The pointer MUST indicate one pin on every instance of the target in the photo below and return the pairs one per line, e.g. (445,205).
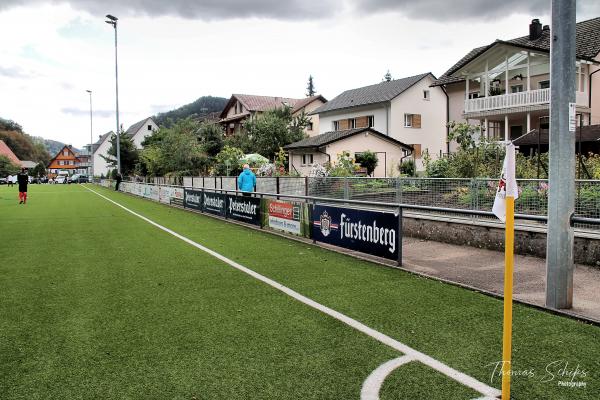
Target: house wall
(313,118)
(432,134)
(378,111)
(389,154)
(302,169)
(100,164)
(144,132)
(595,106)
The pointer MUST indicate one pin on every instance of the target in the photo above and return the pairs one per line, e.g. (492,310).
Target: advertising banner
(164,194)
(213,203)
(193,199)
(371,232)
(286,216)
(177,196)
(244,209)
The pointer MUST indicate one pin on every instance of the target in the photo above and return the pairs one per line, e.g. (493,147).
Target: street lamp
(112,20)
(91,140)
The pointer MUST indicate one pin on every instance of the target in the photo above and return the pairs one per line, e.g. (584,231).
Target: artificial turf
(97,303)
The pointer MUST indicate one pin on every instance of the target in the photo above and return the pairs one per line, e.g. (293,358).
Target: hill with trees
(24,146)
(204,108)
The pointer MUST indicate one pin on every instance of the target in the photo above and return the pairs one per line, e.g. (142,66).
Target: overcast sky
(172,52)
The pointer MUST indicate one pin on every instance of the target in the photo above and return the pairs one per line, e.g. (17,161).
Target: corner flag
(507,185)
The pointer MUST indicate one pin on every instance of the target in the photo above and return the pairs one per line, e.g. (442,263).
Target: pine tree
(310,88)
(387,76)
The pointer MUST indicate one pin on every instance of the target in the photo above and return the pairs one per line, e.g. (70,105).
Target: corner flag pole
(508,296)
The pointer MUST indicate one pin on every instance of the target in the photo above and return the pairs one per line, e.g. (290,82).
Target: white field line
(458,376)
(372,385)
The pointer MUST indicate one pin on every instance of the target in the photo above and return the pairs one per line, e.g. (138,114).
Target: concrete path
(484,269)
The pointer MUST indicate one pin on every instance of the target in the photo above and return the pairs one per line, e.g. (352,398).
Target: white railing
(527,98)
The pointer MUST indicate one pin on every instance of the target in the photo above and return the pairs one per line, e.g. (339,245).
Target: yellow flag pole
(508,294)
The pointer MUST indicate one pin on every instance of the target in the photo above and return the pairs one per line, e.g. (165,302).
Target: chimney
(546,28)
(535,29)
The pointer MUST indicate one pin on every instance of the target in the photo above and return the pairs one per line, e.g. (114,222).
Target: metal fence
(466,194)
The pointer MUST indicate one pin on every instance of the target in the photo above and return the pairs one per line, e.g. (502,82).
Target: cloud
(15,72)
(79,112)
(196,9)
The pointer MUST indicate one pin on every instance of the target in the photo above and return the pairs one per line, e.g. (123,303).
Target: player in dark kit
(23,180)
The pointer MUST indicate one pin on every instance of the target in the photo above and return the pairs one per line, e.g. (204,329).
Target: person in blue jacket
(246,181)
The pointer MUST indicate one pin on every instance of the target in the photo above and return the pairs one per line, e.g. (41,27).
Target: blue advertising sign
(371,232)
(193,199)
(244,209)
(213,203)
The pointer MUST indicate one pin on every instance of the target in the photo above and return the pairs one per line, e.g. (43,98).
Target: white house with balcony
(505,86)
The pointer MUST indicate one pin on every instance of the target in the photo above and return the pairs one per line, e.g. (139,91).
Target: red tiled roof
(7,152)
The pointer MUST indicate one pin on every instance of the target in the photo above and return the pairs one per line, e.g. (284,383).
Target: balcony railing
(527,98)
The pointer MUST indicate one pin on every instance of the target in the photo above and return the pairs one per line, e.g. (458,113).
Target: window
(351,123)
(494,130)
(426,95)
(544,84)
(544,124)
(516,88)
(307,159)
(149,127)
(412,120)
(336,125)
(309,127)
(473,95)
(370,121)
(65,152)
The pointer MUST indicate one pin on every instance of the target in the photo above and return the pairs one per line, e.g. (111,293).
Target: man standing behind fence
(246,181)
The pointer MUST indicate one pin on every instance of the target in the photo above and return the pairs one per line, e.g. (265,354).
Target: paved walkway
(484,269)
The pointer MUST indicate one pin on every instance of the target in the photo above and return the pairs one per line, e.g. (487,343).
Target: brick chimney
(535,29)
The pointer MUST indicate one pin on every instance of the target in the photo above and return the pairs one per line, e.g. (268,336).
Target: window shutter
(343,124)
(417,150)
(416,121)
(361,122)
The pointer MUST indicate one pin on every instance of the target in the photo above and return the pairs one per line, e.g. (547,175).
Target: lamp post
(112,20)
(91,140)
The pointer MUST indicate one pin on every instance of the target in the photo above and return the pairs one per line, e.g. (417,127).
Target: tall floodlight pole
(561,187)
(91,140)
(112,20)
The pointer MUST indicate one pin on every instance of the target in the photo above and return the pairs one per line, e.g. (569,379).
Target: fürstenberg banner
(213,203)
(287,216)
(244,209)
(371,232)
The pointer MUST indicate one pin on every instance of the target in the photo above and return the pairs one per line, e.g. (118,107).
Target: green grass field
(96,303)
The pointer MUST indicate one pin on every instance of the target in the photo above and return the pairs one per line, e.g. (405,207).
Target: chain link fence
(470,194)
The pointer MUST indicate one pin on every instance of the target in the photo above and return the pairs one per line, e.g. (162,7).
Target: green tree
(274,129)
(228,161)
(310,87)
(211,138)
(7,167)
(39,170)
(241,141)
(463,133)
(129,154)
(368,160)
(387,77)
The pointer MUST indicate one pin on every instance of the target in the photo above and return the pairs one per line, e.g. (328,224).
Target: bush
(368,160)
(407,167)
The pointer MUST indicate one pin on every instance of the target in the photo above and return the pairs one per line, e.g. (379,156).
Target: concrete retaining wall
(527,242)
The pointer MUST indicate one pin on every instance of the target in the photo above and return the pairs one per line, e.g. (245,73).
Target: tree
(228,161)
(368,160)
(7,167)
(10,125)
(211,138)
(387,77)
(129,154)
(463,133)
(274,129)
(310,88)
(39,170)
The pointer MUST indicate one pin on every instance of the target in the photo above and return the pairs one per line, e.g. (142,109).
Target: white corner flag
(507,185)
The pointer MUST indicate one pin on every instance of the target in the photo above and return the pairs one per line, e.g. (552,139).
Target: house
(407,110)
(505,85)
(65,161)
(137,132)
(7,152)
(325,147)
(242,107)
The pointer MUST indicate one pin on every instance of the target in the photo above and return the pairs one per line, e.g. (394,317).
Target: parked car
(78,178)
(60,179)
(3,181)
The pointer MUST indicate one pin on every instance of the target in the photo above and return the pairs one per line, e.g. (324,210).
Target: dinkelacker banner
(371,232)
(244,209)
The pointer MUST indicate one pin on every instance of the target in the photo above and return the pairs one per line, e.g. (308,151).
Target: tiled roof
(333,136)
(587,42)
(258,103)
(101,140)
(304,102)
(7,152)
(589,133)
(373,94)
